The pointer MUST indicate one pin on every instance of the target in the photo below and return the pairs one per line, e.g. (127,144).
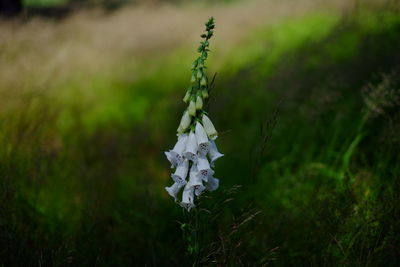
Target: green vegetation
(83,172)
(44,2)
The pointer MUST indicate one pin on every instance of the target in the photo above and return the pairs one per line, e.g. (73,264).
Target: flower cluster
(195,152)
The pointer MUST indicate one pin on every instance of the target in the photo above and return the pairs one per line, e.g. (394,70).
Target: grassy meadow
(307,102)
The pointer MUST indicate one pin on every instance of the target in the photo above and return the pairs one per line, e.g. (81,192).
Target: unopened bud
(199,103)
(203,81)
(192,108)
(187,97)
(199,74)
(204,93)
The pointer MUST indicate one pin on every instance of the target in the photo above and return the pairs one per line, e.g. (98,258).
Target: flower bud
(199,103)
(185,121)
(192,108)
(204,93)
(209,127)
(203,81)
(193,78)
(186,97)
(199,74)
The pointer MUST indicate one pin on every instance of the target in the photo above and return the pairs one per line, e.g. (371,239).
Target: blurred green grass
(83,170)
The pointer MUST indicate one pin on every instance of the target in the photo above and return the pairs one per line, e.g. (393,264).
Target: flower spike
(195,151)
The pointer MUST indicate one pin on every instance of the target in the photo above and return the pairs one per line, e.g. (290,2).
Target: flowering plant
(195,152)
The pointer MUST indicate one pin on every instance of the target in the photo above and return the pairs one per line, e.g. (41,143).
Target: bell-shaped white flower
(181,172)
(195,181)
(204,168)
(202,139)
(212,184)
(173,190)
(185,121)
(213,153)
(188,198)
(209,127)
(191,148)
(175,156)
(192,108)
(171,158)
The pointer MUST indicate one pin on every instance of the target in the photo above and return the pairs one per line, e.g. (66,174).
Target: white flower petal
(173,190)
(175,156)
(195,181)
(202,139)
(188,198)
(181,172)
(213,153)
(204,168)
(212,184)
(191,148)
(171,158)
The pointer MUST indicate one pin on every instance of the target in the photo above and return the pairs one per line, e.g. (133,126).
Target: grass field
(306,98)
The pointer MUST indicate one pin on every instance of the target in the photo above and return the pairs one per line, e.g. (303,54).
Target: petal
(202,139)
(181,172)
(173,190)
(191,148)
(213,152)
(212,184)
(188,198)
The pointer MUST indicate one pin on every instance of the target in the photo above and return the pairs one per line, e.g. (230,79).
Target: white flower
(213,153)
(204,168)
(181,172)
(202,139)
(185,122)
(188,197)
(191,148)
(195,181)
(209,128)
(199,103)
(192,108)
(174,189)
(175,155)
(212,184)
